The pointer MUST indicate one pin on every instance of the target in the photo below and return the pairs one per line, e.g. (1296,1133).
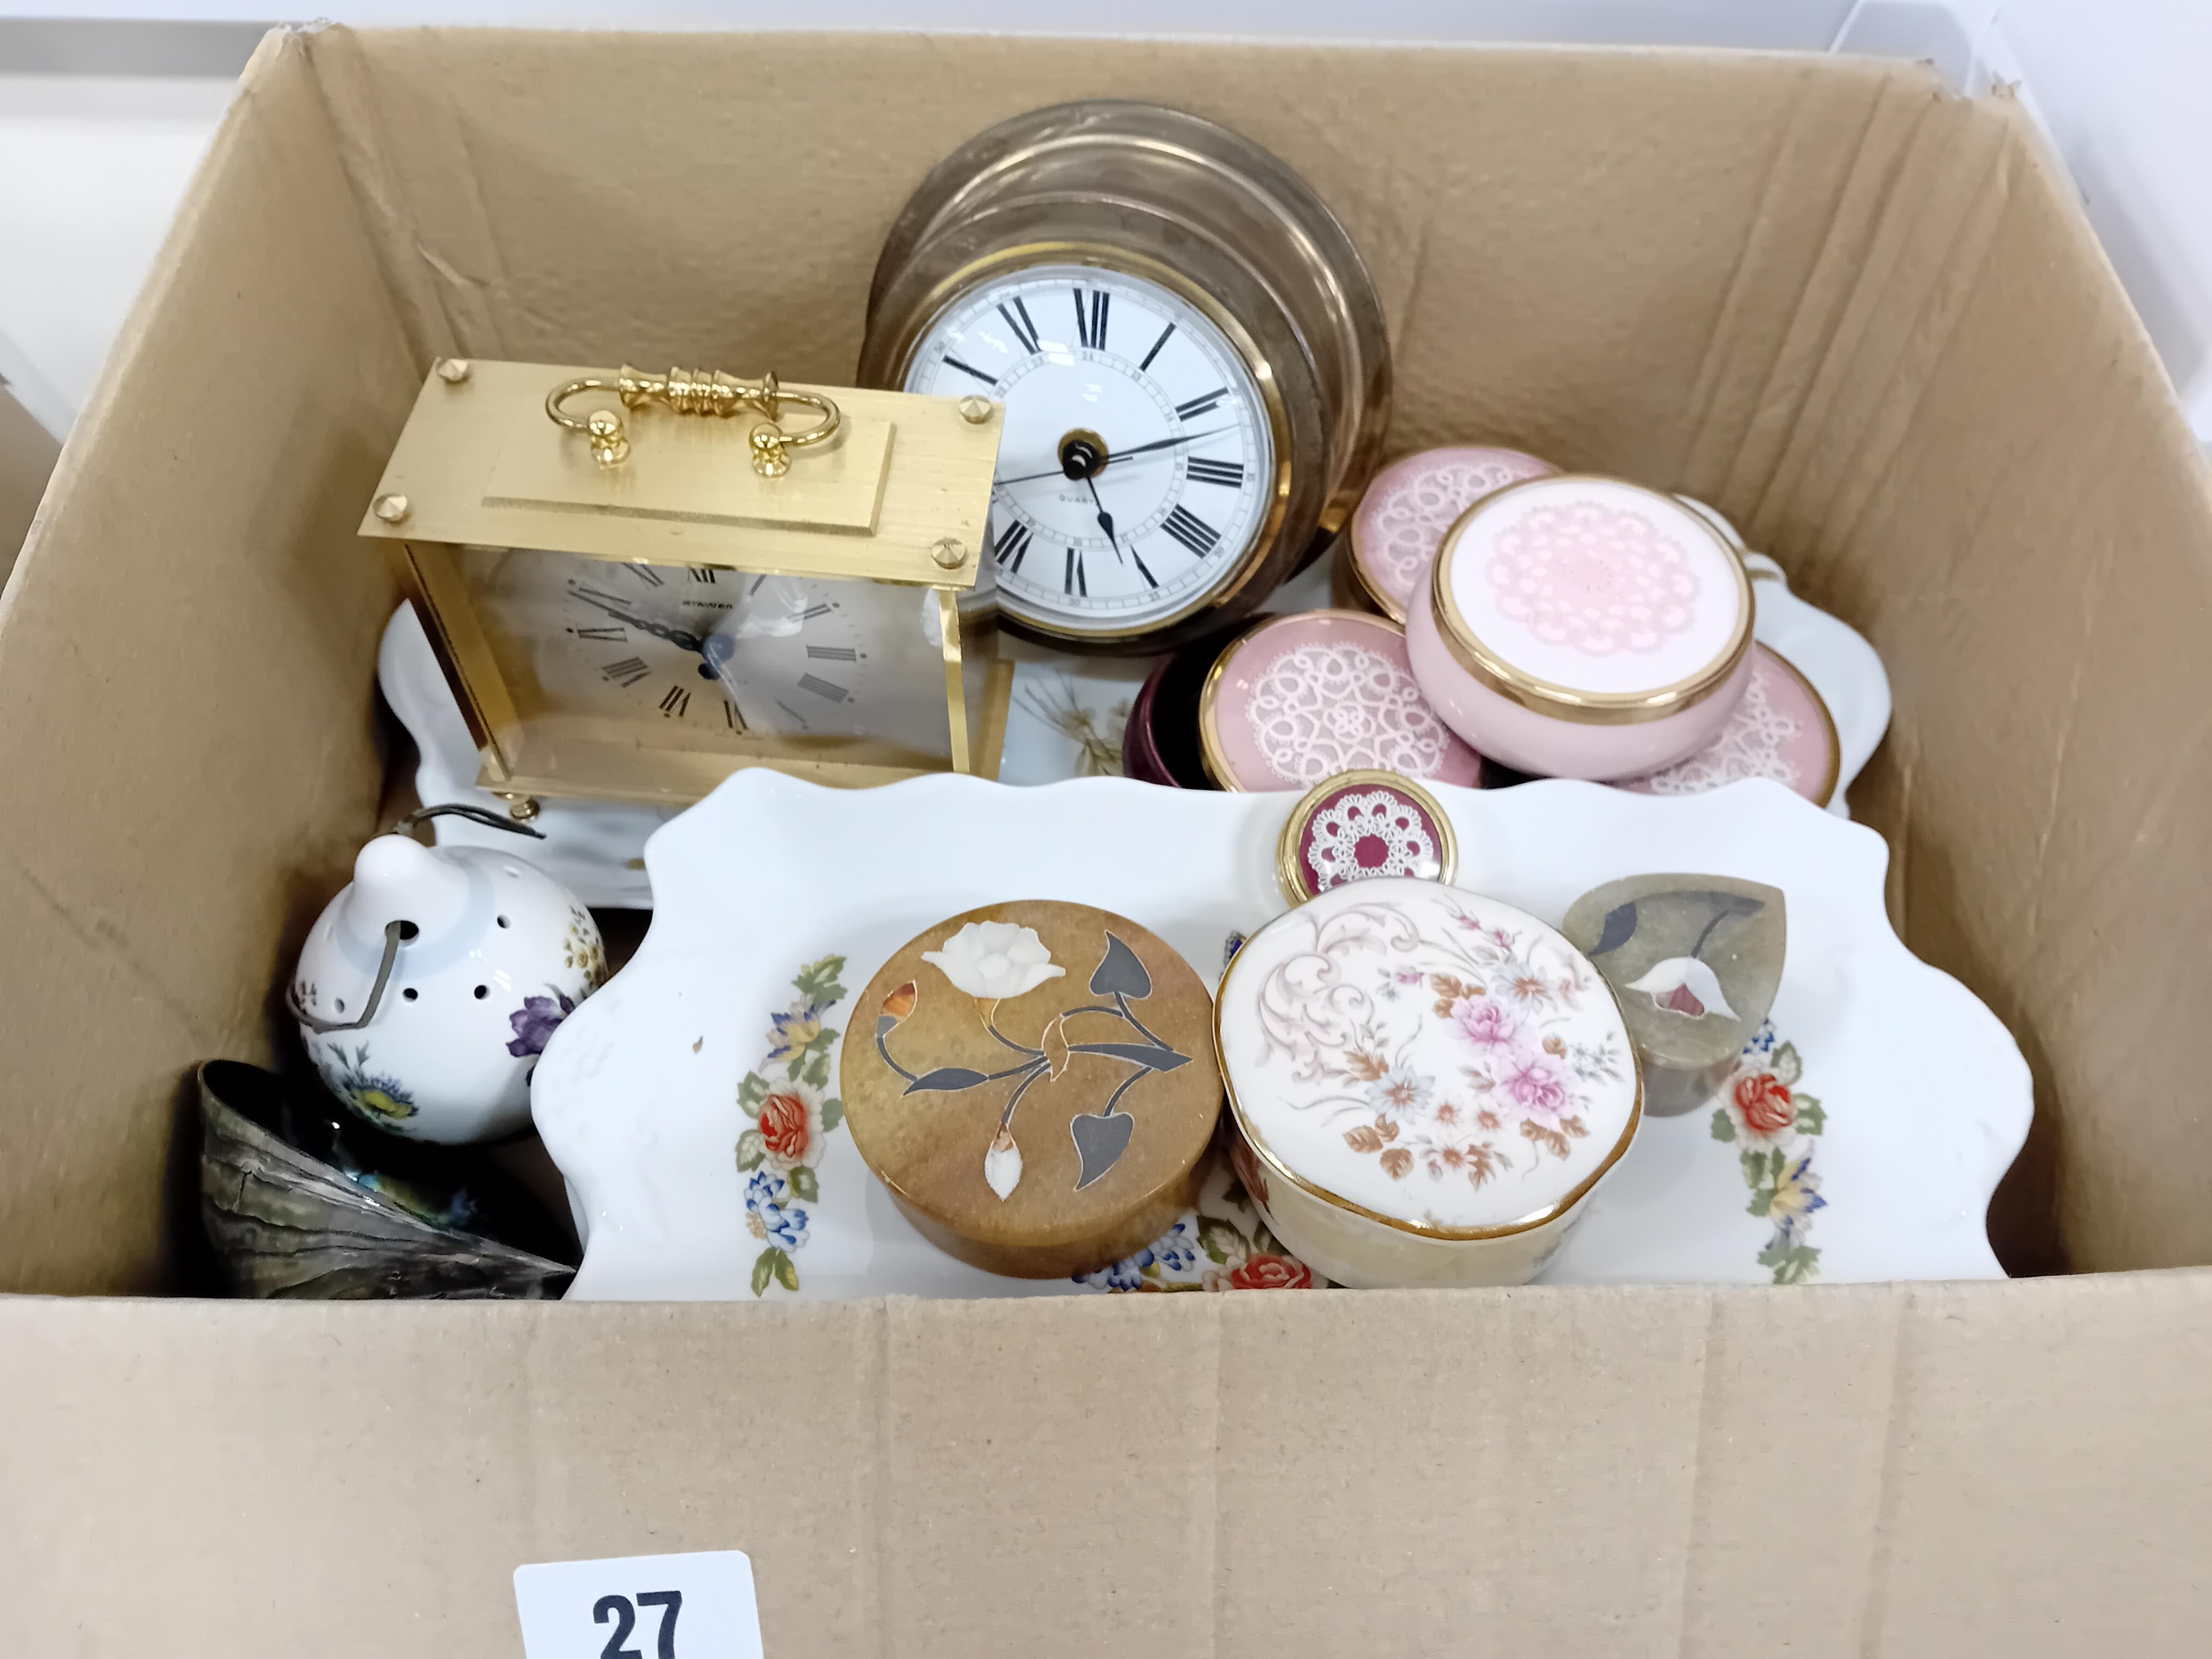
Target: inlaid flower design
(994,962)
(1684,985)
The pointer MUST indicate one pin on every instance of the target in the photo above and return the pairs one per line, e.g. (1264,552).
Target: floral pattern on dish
(992,961)
(1774,1123)
(1221,1245)
(792,1117)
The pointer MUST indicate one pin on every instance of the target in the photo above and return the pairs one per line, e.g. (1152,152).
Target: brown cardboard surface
(1923,1470)
(188,657)
(27,453)
(1864,318)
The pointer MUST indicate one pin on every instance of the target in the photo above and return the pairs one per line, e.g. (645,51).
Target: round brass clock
(1190,351)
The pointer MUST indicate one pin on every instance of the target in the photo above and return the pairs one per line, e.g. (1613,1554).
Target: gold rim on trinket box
(1564,703)
(1290,868)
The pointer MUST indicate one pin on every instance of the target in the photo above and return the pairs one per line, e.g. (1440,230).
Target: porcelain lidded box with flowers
(428,988)
(1426,1084)
(1035,1084)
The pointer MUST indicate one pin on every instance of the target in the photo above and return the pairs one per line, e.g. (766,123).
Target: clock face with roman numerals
(712,657)
(1138,465)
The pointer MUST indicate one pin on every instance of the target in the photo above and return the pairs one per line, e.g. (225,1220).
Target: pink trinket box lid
(1402,519)
(1303,697)
(1592,599)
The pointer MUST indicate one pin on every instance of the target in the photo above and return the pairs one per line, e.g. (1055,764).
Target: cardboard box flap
(1880,1469)
(187,656)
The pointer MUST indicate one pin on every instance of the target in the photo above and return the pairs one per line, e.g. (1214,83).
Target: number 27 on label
(639,1607)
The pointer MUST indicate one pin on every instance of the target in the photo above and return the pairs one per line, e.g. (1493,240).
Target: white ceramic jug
(427,988)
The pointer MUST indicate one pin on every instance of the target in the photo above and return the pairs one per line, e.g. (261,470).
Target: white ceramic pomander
(487,955)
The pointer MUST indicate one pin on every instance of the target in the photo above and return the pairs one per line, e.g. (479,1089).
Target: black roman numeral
(677,702)
(700,573)
(1018,320)
(1192,531)
(1151,581)
(952,361)
(644,573)
(833,654)
(1075,582)
(627,672)
(1012,543)
(730,716)
(1155,351)
(1090,325)
(611,635)
(822,688)
(759,582)
(1231,473)
(1199,405)
(814,612)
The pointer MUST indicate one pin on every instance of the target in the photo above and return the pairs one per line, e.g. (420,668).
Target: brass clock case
(1167,197)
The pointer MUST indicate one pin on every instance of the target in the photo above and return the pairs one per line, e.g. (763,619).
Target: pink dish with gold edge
(1402,519)
(1781,730)
(1582,627)
(1303,697)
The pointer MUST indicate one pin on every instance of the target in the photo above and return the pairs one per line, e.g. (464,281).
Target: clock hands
(675,636)
(1141,449)
(1105,519)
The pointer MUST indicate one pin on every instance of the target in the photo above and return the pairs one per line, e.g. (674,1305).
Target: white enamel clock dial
(1137,464)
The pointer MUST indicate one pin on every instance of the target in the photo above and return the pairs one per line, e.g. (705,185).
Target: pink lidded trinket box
(1402,518)
(1781,730)
(1300,698)
(1582,627)
(1426,1085)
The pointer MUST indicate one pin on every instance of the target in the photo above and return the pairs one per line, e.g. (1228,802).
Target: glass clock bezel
(1102,235)
(946,296)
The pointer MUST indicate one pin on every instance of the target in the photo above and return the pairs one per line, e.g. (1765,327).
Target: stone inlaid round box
(1426,1085)
(1362,826)
(1583,628)
(1036,1083)
(1300,698)
(1781,730)
(1400,521)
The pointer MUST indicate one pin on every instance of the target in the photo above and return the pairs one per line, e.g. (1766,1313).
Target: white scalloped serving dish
(1883,1101)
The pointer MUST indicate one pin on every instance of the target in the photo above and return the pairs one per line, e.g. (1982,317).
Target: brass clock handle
(701,391)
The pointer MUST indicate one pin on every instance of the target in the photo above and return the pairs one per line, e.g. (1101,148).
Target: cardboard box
(1863,317)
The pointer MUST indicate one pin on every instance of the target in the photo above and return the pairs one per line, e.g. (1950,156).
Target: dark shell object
(298,1202)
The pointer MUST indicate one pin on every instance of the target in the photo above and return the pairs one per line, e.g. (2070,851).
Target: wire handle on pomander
(696,391)
(398,932)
